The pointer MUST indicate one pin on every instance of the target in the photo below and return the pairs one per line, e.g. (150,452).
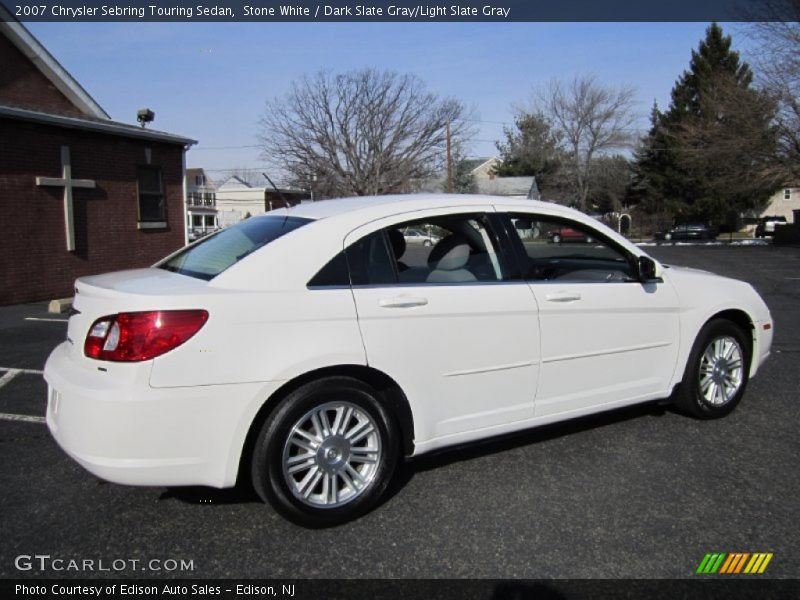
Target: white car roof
(406,202)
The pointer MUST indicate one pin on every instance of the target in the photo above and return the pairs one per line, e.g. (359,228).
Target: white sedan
(308,351)
(415,236)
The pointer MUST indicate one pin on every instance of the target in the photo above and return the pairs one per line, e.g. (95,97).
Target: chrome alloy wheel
(721,370)
(331,455)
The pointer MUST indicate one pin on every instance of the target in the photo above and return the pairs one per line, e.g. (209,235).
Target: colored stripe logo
(735,563)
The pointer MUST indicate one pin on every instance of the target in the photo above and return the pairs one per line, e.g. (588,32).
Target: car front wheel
(326,454)
(716,374)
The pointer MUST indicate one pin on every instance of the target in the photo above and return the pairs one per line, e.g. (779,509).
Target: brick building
(79,193)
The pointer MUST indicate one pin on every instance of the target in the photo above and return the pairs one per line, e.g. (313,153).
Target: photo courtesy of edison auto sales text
(165,589)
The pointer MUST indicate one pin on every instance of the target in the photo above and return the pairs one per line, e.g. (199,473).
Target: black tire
(267,467)
(689,398)
(556,239)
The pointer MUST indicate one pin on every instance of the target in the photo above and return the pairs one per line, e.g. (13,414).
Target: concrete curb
(59,306)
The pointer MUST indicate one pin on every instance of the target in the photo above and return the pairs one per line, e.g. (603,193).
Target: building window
(787,194)
(209,221)
(197,220)
(151,195)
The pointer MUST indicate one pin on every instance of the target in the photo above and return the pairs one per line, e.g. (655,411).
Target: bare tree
(591,119)
(359,133)
(777,60)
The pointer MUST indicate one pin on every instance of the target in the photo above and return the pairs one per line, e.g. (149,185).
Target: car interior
(464,252)
(582,259)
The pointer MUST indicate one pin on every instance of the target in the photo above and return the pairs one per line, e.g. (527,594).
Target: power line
(235,169)
(225,147)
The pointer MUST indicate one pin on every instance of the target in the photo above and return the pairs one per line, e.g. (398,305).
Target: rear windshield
(211,256)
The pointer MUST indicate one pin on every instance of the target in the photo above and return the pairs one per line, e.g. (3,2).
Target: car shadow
(243,493)
(460,453)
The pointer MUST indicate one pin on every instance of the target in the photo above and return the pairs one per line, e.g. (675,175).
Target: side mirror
(648,272)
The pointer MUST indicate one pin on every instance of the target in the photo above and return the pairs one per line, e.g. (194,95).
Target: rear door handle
(402,302)
(563,297)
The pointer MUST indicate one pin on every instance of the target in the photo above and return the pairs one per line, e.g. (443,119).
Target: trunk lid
(127,291)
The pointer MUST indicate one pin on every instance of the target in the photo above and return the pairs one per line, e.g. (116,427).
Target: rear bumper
(124,431)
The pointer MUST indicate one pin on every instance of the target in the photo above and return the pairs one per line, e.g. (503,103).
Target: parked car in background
(418,237)
(196,234)
(291,350)
(687,231)
(766,226)
(567,234)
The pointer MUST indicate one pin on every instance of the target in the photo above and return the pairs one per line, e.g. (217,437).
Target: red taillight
(137,336)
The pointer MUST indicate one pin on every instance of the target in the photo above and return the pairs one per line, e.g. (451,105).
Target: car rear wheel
(717,372)
(326,454)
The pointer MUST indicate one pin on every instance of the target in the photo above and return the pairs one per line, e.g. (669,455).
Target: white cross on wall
(67,182)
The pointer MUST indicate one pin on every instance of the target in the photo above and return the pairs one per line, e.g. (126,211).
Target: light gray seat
(448,260)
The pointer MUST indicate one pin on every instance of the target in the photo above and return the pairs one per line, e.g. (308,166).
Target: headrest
(449,254)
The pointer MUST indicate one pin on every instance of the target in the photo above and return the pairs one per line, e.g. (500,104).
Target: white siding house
(235,199)
(782,203)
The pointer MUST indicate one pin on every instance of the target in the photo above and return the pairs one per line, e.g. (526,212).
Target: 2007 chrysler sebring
(310,348)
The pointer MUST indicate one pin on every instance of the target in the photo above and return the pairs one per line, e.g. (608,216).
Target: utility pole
(449,162)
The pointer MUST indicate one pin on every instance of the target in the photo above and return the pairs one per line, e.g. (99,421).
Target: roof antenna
(285,201)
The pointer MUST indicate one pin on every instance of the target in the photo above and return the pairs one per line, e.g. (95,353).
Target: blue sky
(209,81)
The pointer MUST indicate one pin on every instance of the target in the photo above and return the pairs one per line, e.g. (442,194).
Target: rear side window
(334,274)
(438,250)
(370,262)
(210,257)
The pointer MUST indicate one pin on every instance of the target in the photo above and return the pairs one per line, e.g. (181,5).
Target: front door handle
(402,302)
(563,297)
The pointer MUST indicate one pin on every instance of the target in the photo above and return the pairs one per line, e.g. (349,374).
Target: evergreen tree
(714,150)
(530,148)
(610,178)
(463,179)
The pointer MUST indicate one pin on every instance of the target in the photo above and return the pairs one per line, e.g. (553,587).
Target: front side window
(562,250)
(151,194)
(211,256)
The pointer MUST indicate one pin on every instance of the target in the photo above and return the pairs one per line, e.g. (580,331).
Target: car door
(447,322)
(605,336)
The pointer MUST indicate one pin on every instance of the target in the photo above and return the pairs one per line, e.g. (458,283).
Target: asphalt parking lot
(638,493)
